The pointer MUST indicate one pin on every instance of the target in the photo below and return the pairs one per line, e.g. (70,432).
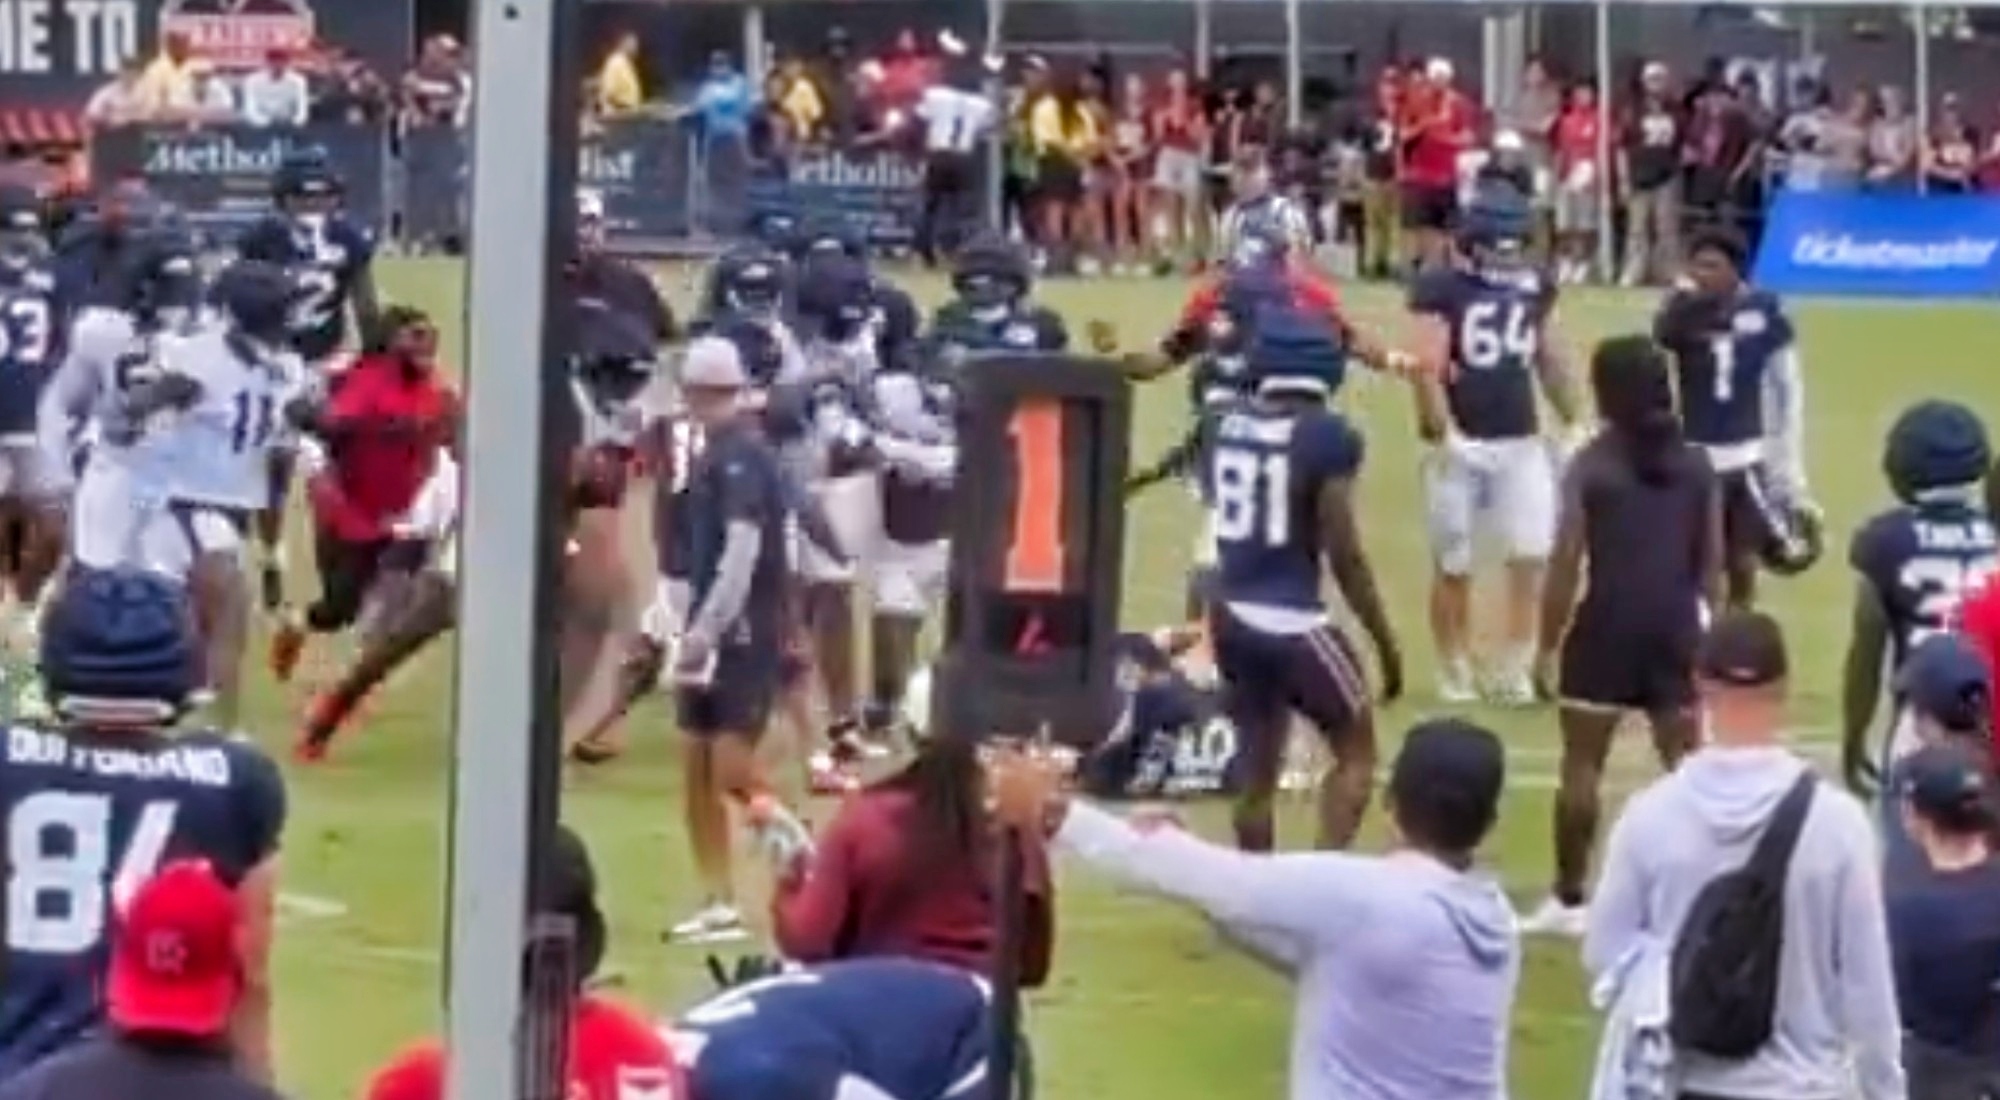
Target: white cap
(1438,69)
(589,205)
(1507,141)
(713,363)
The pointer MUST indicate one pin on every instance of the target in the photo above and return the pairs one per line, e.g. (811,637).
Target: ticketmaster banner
(220,176)
(1880,245)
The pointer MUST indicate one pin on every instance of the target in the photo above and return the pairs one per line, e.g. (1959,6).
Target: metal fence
(666,187)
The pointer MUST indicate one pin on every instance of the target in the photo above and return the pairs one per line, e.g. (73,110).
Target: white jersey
(84,403)
(223,442)
(953,120)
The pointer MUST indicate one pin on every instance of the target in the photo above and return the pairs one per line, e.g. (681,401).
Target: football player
(1260,209)
(894,313)
(1742,397)
(1170,740)
(1278,476)
(94,254)
(31,534)
(330,257)
(1916,562)
(1485,343)
(596,273)
(861,1029)
(97,801)
(991,310)
(238,390)
(1638,552)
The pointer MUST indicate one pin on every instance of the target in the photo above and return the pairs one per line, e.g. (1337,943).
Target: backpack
(1724,976)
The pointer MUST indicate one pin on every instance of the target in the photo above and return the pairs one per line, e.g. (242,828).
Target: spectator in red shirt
(1979,612)
(614,1052)
(386,421)
(1437,126)
(906,868)
(1579,182)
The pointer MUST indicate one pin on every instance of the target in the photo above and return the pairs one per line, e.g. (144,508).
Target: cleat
(288,644)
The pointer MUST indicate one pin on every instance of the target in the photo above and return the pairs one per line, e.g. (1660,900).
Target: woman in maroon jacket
(907,868)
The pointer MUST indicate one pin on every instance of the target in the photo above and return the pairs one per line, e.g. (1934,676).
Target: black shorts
(1266,677)
(1751,517)
(1058,178)
(1427,207)
(1643,665)
(739,697)
(348,570)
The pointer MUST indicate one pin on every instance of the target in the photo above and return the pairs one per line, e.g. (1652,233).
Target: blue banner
(220,176)
(1882,245)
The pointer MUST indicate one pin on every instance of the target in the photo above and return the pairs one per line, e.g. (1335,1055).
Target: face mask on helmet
(614,379)
(1937,452)
(752,290)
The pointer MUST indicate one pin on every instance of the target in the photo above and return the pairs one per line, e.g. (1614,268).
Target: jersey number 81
(1253,490)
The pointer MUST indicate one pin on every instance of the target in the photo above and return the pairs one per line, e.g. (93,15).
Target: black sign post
(1037,557)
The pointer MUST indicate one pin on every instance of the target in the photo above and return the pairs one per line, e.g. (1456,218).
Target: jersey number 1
(1035,553)
(56,893)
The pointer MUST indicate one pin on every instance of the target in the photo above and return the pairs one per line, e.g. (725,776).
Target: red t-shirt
(1438,130)
(1575,139)
(1310,292)
(1178,126)
(383,425)
(614,1055)
(1979,621)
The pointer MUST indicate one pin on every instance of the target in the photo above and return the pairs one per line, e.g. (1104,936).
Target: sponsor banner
(220,177)
(878,194)
(1901,246)
(54,53)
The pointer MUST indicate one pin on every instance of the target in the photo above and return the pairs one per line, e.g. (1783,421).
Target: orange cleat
(288,644)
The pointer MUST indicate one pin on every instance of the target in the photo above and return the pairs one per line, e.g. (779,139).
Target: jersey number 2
(57,892)
(1035,553)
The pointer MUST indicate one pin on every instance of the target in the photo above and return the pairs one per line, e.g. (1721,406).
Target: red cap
(174,964)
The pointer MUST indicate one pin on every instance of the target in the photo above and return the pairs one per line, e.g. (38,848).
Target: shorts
(196,530)
(1314,673)
(1428,207)
(1644,665)
(1178,171)
(1509,484)
(910,578)
(111,524)
(739,697)
(1576,210)
(853,506)
(1058,178)
(21,472)
(435,510)
(1752,518)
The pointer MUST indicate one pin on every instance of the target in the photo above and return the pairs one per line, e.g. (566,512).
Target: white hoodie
(1836,989)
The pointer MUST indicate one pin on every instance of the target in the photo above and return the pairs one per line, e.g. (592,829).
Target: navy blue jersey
(1723,352)
(328,260)
(957,332)
(88,817)
(90,266)
(1921,562)
(913,1030)
(736,479)
(1172,741)
(1496,322)
(1261,477)
(31,327)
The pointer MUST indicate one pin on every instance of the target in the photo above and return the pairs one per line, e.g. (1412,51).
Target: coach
(175,980)
(1405,964)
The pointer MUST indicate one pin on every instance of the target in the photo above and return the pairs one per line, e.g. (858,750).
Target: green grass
(1143,1005)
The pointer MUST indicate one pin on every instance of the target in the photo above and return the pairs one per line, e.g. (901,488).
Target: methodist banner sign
(1882,245)
(220,177)
(53,53)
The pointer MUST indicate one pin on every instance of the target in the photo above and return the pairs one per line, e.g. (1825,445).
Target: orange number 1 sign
(1035,554)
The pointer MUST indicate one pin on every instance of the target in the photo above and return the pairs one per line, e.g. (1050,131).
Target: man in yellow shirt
(804,108)
(619,91)
(168,81)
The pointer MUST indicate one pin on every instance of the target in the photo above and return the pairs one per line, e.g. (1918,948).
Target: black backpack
(1725,963)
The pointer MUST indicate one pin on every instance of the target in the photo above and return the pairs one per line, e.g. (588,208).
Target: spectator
(1436,128)
(906,73)
(438,91)
(1720,147)
(1179,134)
(165,81)
(770,128)
(1130,163)
(906,868)
(1978,618)
(1988,174)
(121,101)
(175,981)
(1579,175)
(1822,147)
(1090,138)
(619,90)
(1951,150)
(1947,695)
(723,101)
(209,100)
(1384,166)
(1835,1016)
(1944,926)
(803,106)
(1892,143)
(1532,113)
(614,1052)
(1649,171)
(353,95)
(1405,964)
(1263,120)
(276,95)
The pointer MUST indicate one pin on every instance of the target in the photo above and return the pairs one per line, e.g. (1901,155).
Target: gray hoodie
(1836,989)
(1405,968)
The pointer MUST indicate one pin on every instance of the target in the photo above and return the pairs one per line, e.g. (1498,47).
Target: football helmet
(257,298)
(120,641)
(1294,352)
(991,273)
(1935,445)
(22,241)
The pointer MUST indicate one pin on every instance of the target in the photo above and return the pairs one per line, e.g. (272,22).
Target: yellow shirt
(618,88)
(165,84)
(1085,135)
(1045,124)
(802,106)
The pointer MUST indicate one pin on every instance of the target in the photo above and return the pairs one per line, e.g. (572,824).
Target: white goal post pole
(1607,257)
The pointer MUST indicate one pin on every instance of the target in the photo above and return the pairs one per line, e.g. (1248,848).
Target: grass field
(1143,1005)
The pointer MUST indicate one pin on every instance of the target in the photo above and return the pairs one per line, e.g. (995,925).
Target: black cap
(1446,783)
(1743,649)
(569,888)
(1946,782)
(1945,678)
